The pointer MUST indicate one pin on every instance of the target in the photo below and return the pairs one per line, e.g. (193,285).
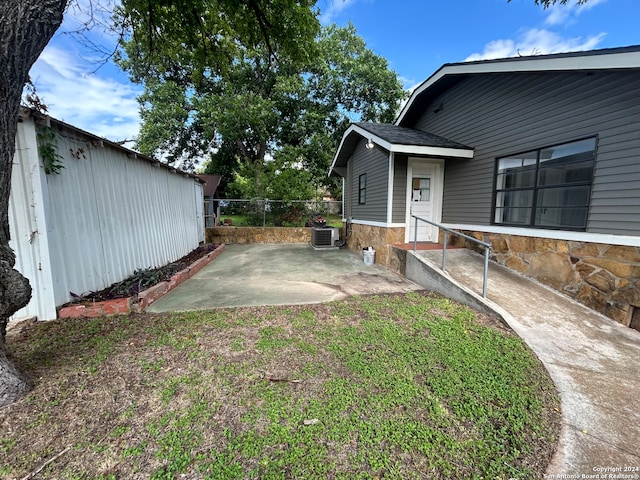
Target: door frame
(437,191)
(199,199)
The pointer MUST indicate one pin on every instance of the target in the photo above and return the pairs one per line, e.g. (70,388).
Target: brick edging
(139,302)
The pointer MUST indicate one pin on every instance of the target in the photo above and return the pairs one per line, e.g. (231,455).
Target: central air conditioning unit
(324,238)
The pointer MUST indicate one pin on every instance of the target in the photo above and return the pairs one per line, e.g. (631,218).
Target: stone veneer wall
(603,277)
(380,238)
(230,235)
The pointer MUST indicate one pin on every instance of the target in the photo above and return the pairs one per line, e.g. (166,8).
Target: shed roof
(212,182)
(47,120)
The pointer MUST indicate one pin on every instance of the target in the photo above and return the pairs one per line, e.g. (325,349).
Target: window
(362,189)
(421,189)
(547,188)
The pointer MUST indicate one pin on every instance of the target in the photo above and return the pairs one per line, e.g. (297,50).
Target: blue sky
(415,36)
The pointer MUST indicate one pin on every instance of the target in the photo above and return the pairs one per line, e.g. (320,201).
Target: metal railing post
(487,247)
(485,280)
(444,250)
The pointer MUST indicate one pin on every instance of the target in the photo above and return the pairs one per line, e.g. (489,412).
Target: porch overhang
(395,139)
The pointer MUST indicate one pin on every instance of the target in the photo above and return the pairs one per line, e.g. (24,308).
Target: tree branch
(264,25)
(44,465)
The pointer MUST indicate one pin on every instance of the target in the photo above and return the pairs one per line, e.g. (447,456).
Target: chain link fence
(271,213)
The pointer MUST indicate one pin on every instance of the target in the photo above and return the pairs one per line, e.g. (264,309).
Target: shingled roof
(396,139)
(408,136)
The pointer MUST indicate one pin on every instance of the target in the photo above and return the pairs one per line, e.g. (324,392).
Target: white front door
(424,198)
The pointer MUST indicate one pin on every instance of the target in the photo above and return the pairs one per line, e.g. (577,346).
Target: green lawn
(392,386)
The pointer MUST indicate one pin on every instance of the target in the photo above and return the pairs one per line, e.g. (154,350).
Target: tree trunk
(13,383)
(26,26)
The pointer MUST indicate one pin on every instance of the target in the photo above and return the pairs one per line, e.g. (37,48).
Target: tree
(26,26)
(282,178)
(188,111)
(265,104)
(548,3)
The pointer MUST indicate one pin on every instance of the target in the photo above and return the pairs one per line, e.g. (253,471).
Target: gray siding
(511,113)
(348,192)
(375,164)
(399,207)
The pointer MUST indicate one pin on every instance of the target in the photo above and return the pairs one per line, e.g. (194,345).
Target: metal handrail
(487,247)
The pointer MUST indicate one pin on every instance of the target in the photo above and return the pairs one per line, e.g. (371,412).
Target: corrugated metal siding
(375,164)
(510,113)
(106,216)
(111,215)
(399,208)
(28,227)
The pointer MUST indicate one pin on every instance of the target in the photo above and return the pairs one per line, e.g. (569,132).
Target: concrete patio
(280,274)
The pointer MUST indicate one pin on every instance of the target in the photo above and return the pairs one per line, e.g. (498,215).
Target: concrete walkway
(594,361)
(280,274)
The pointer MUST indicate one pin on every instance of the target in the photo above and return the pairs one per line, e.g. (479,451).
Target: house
(538,155)
(85,212)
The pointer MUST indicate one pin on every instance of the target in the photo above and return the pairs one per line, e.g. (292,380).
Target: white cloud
(409,84)
(558,14)
(98,104)
(495,49)
(565,14)
(335,7)
(535,42)
(92,18)
(589,5)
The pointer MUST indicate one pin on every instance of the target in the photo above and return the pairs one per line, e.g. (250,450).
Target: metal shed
(108,212)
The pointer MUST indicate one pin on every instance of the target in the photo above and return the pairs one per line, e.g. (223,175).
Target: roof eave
(415,149)
(26,112)
(339,150)
(431,151)
(626,59)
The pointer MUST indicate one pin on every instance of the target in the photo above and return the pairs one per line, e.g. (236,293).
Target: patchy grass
(397,386)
